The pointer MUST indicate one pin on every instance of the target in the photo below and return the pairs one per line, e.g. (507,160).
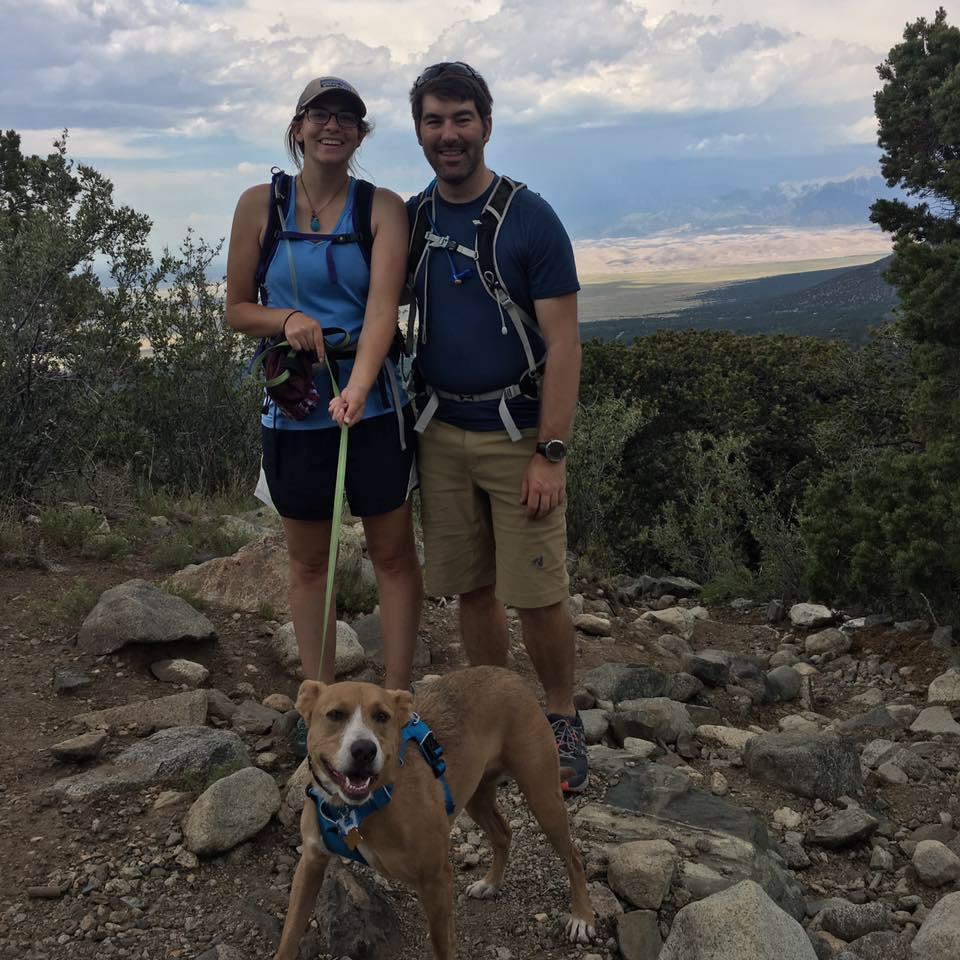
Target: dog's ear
(403,702)
(310,691)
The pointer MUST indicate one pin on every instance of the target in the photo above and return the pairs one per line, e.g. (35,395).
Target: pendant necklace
(314,211)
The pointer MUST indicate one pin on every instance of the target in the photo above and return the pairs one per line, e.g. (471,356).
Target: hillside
(840,303)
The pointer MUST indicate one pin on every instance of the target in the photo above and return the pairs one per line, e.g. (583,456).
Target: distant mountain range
(819,203)
(841,304)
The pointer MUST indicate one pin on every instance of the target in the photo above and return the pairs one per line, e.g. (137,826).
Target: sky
(670,117)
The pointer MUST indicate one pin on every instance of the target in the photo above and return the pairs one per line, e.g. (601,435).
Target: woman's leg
(393,552)
(308,544)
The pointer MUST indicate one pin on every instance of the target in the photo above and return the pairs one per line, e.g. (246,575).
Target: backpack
(423,239)
(278,209)
(269,354)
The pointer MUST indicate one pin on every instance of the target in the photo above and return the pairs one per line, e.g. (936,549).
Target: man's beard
(461,175)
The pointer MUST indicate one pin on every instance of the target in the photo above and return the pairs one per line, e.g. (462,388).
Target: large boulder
(139,612)
(256,576)
(939,937)
(810,615)
(186,757)
(649,801)
(623,681)
(231,810)
(178,710)
(350,653)
(655,718)
(825,766)
(641,871)
(741,923)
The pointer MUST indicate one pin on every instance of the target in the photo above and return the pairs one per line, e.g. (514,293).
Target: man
(498,360)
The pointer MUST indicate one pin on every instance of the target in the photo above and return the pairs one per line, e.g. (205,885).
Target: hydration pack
(423,240)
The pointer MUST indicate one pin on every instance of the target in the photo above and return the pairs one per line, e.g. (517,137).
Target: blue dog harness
(340,826)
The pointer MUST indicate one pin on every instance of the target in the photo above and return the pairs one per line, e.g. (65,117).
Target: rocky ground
(766,783)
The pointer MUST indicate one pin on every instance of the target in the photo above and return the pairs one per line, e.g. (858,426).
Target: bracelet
(283,326)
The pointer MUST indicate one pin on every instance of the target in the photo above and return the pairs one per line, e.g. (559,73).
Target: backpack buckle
(450,244)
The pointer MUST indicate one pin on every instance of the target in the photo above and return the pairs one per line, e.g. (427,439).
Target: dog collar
(340,825)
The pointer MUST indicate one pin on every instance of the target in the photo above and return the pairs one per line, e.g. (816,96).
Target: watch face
(555,450)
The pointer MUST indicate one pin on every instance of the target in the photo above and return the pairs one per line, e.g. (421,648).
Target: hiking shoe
(572,746)
(298,739)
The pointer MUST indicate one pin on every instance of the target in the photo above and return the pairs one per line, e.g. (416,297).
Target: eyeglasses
(321,116)
(457,67)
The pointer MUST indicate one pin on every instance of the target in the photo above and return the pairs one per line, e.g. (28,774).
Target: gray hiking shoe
(572,746)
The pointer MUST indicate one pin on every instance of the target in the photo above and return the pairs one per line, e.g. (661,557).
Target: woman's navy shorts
(300,468)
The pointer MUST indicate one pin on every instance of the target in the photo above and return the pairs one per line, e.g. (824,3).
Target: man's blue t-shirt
(466,346)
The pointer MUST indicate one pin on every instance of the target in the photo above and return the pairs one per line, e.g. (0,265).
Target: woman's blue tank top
(338,301)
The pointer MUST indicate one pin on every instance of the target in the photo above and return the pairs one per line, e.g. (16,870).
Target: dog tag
(353,839)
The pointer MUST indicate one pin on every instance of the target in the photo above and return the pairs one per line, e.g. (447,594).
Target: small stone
(718,784)
(85,747)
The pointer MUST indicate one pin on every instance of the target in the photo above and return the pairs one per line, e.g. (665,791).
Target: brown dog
(489,723)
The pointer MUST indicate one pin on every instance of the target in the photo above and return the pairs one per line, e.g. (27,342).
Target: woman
(310,286)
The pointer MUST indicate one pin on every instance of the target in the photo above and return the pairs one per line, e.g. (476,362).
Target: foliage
(81,296)
(74,604)
(883,526)
(69,525)
(596,481)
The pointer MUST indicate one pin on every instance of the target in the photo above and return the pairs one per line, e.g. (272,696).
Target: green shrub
(355,594)
(595,479)
(75,603)
(106,546)
(69,525)
(174,553)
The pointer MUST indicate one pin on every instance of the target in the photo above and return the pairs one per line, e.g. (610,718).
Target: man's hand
(348,407)
(304,333)
(544,486)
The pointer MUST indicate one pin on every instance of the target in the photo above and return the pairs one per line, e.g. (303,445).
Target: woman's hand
(304,333)
(348,407)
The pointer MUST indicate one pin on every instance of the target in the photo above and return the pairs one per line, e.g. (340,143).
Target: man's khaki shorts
(475,530)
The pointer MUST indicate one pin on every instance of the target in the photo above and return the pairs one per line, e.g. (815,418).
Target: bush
(69,525)
(596,481)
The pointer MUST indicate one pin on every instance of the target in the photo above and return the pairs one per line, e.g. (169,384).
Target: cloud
(724,143)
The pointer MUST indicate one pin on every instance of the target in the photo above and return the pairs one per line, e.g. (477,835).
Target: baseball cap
(320,86)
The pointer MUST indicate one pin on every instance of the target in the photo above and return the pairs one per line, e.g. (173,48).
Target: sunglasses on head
(456,67)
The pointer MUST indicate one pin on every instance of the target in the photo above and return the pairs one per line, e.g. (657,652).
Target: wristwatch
(553,450)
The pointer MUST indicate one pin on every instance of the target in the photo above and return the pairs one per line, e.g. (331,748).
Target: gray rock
(850,921)
(936,864)
(219,705)
(939,937)
(357,919)
(656,718)
(741,923)
(369,632)
(682,687)
(638,934)
(350,654)
(595,724)
(649,801)
(881,945)
(825,765)
(678,586)
(945,689)
(831,641)
(784,684)
(641,871)
(942,638)
(179,756)
(844,828)
(863,725)
(794,856)
(179,670)
(775,611)
(68,680)
(85,747)
(914,766)
(177,710)
(139,612)
(621,681)
(231,810)
(253,717)
(936,720)
(882,859)
(701,715)
(877,752)
(679,619)
(592,624)
(701,881)
(810,615)
(712,667)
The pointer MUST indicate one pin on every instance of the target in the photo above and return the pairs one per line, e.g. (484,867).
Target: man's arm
(544,485)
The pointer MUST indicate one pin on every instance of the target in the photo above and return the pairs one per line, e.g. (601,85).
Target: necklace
(316,211)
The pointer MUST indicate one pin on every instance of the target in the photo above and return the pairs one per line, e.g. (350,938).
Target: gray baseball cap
(320,86)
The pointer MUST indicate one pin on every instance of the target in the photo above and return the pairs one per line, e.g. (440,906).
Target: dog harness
(340,826)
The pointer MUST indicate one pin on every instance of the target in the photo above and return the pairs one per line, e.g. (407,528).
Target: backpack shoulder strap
(363,217)
(416,254)
(276,213)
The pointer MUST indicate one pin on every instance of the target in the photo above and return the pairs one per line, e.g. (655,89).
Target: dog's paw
(580,931)
(481,890)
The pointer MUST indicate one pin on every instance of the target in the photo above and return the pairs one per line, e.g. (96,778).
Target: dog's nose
(363,752)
